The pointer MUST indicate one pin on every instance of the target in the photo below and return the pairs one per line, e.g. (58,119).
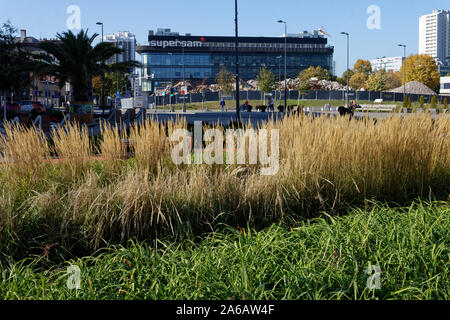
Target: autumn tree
(375,80)
(363,66)
(422,68)
(225,80)
(393,80)
(312,72)
(343,79)
(358,80)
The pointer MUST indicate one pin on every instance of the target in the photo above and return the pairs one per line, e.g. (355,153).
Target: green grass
(321,259)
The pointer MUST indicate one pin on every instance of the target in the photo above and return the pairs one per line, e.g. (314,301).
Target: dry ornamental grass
(325,164)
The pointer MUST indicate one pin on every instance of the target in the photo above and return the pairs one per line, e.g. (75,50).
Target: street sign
(140,102)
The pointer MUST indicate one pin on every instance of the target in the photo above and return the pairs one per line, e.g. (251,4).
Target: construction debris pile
(252,85)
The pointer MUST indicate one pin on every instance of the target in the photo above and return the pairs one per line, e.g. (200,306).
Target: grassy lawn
(307,103)
(321,259)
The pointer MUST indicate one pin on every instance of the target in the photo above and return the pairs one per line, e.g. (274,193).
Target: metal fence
(292,95)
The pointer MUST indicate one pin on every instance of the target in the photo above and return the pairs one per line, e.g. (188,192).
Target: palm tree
(75,60)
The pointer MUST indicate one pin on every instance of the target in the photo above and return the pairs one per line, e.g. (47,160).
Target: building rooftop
(167,32)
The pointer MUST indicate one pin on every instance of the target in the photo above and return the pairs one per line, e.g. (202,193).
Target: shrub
(421,102)
(433,102)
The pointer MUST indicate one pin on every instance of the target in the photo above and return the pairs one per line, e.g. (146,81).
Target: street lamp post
(171,81)
(381,76)
(103,77)
(184,82)
(285,64)
(348,66)
(236,21)
(279,71)
(404,69)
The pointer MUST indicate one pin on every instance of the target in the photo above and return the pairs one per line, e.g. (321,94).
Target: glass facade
(164,65)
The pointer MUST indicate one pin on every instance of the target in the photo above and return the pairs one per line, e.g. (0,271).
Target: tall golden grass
(325,164)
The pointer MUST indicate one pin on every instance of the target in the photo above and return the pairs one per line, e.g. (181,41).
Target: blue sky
(399,20)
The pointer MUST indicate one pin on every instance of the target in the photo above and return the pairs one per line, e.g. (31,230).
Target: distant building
(171,57)
(444,69)
(445,85)
(392,63)
(434,35)
(123,40)
(42,89)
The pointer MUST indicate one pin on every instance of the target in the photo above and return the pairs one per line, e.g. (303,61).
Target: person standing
(222,104)
(271,104)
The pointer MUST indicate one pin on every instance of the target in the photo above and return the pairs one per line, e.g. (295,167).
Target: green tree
(225,80)
(343,79)
(113,82)
(358,80)
(363,66)
(14,62)
(266,80)
(306,75)
(314,72)
(422,68)
(77,61)
(375,79)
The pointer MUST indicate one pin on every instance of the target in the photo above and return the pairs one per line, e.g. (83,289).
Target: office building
(170,57)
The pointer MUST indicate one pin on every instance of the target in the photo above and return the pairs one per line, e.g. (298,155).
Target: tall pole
(103,77)
(285,64)
(238,108)
(404,69)
(46,91)
(184,83)
(348,66)
(279,71)
(381,76)
(171,82)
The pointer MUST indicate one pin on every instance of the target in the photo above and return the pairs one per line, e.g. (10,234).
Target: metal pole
(404,72)
(285,67)
(348,69)
(171,81)
(238,108)
(103,83)
(103,76)
(348,66)
(46,91)
(184,84)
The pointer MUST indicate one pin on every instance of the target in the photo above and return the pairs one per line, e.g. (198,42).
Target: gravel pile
(415,87)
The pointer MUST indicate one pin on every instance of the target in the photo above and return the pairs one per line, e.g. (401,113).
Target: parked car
(30,106)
